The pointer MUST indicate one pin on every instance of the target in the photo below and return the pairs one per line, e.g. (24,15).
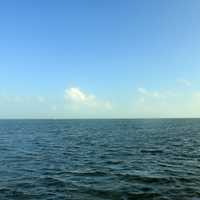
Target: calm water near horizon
(100,159)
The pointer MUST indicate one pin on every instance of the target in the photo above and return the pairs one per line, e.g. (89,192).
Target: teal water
(100,159)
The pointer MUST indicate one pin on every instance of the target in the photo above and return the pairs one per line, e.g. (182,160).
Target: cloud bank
(184,82)
(166,103)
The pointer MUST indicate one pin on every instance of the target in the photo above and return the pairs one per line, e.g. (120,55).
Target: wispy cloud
(54,108)
(167,103)
(142,90)
(41,99)
(21,99)
(184,82)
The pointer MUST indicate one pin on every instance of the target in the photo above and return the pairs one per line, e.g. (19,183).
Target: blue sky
(82,59)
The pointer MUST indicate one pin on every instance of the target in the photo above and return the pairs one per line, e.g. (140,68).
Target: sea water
(100,159)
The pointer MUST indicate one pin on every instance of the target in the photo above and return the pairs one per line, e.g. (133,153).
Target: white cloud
(79,99)
(54,108)
(156,94)
(21,99)
(167,103)
(142,91)
(41,99)
(18,99)
(150,94)
(184,82)
(77,96)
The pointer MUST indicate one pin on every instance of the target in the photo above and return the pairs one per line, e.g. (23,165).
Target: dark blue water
(100,159)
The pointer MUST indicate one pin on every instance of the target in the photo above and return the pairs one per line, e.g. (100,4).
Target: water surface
(100,159)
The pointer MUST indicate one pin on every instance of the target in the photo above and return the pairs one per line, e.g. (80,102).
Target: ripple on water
(100,159)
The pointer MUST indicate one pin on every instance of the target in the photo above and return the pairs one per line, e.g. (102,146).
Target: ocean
(152,159)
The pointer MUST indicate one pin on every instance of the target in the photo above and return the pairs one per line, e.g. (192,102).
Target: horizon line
(134,118)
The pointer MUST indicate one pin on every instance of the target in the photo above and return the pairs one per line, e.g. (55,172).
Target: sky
(99,59)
